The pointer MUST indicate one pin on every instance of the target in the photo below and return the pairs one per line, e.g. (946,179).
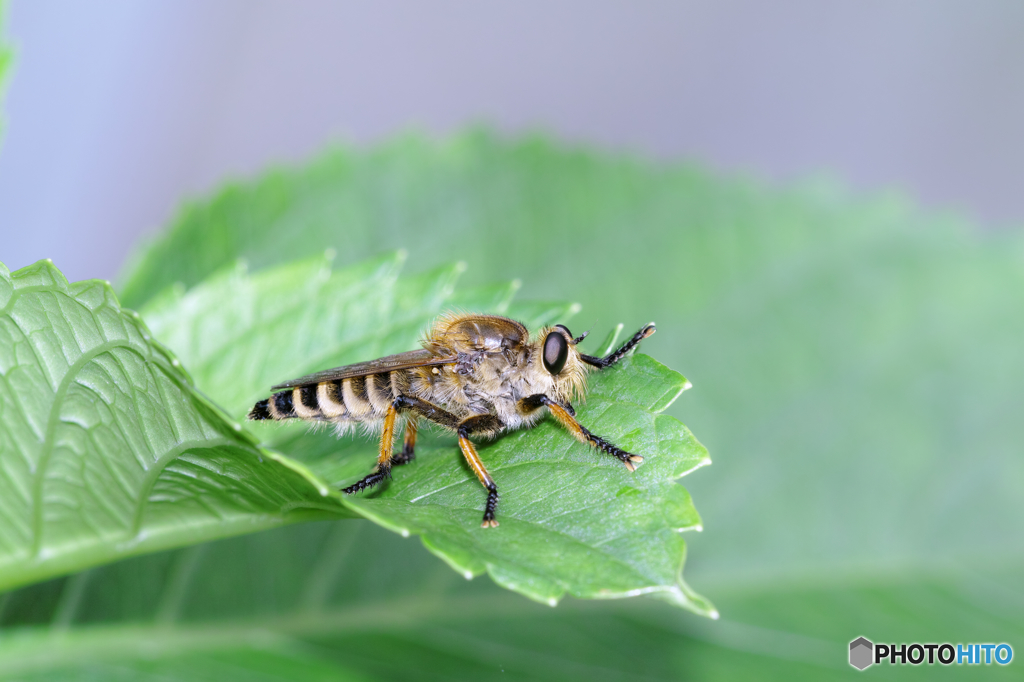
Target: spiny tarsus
(476,375)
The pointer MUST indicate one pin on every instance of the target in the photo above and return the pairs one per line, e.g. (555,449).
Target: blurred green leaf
(609,231)
(326,594)
(572,520)
(349,599)
(857,360)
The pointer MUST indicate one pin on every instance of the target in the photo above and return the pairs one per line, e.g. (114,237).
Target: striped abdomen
(356,399)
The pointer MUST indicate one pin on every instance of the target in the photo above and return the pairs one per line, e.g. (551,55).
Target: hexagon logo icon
(861,653)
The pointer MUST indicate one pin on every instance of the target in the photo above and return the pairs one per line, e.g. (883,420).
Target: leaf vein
(51,428)
(158,467)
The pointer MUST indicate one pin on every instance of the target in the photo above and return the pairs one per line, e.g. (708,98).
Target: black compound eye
(556,352)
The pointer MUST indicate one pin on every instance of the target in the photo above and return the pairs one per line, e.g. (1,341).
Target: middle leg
(483,423)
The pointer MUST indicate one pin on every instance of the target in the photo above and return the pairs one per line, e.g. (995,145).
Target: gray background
(118,110)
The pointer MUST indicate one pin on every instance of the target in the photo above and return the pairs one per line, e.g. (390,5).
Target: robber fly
(475,375)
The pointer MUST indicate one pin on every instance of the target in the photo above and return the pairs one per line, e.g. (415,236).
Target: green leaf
(572,520)
(106,448)
(857,361)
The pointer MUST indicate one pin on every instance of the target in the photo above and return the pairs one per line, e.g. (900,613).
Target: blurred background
(818,204)
(118,110)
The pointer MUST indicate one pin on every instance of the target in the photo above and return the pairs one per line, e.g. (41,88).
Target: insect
(476,375)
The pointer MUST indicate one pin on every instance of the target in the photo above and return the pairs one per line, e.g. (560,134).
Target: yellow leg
(385,458)
(408,443)
(569,422)
(387,440)
(581,434)
(469,452)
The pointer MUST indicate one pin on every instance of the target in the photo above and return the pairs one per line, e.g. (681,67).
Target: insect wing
(413,358)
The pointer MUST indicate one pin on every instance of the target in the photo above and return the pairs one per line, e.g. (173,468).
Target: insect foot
(629,459)
(632,460)
(382,474)
(492,505)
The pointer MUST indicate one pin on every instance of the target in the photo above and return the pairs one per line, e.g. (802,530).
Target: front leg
(566,416)
(610,360)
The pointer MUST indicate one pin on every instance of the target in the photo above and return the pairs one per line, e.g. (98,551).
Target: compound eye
(556,352)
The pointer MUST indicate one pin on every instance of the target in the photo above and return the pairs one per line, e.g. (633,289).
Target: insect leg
(384,459)
(486,423)
(408,443)
(610,360)
(387,443)
(566,417)
(428,411)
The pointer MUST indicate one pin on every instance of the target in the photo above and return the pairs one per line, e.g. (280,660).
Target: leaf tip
(552,602)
